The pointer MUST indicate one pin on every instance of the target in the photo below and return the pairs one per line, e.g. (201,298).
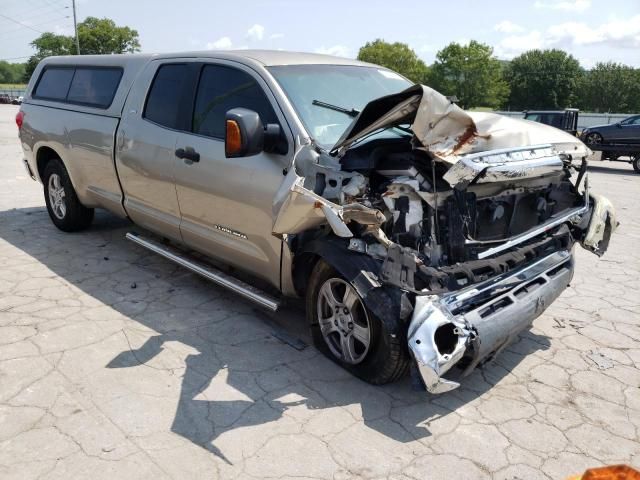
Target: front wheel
(636,163)
(65,210)
(347,332)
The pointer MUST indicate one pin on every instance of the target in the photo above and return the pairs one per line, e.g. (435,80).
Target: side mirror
(246,135)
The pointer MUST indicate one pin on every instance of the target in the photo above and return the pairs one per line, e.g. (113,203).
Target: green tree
(609,87)
(471,73)
(96,36)
(395,56)
(11,72)
(47,45)
(543,79)
(100,36)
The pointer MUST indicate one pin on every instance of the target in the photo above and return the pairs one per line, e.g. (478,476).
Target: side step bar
(210,273)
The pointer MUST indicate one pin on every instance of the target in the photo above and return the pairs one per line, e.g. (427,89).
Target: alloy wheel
(57,196)
(343,320)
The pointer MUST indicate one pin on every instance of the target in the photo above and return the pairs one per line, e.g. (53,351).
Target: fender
(389,303)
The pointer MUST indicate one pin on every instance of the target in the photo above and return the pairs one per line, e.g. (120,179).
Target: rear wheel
(346,331)
(65,210)
(636,162)
(593,138)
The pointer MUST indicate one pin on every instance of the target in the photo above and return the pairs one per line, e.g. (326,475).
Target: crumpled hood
(447,131)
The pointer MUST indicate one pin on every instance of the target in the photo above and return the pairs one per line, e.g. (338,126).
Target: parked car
(17,100)
(4,98)
(625,131)
(566,119)
(416,232)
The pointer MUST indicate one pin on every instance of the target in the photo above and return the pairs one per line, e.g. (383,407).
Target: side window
(163,100)
(221,89)
(94,86)
(54,83)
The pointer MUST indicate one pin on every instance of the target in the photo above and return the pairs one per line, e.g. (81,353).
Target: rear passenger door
(226,203)
(146,144)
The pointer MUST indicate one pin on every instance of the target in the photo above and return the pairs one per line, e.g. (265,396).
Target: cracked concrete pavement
(177,378)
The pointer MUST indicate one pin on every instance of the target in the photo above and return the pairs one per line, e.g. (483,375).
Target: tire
(385,359)
(636,163)
(593,138)
(65,210)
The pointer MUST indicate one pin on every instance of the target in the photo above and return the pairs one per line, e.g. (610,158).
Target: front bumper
(477,322)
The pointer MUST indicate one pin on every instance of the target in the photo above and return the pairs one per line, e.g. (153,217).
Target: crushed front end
(471,217)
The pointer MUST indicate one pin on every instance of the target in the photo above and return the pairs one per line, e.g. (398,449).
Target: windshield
(324,95)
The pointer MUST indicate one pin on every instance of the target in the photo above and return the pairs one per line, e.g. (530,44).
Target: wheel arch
(359,269)
(44,155)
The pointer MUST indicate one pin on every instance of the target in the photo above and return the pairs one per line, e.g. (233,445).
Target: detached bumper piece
(472,325)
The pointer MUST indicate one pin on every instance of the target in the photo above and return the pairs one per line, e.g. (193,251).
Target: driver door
(226,203)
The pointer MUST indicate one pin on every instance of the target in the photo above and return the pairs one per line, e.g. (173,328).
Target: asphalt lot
(176,378)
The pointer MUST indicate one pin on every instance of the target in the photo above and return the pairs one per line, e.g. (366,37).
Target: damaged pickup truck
(419,234)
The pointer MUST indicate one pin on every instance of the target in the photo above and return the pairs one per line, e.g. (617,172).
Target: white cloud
(513,45)
(256,32)
(566,5)
(222,43)
(507,26)
(337,50)
(614,33)
(275,36)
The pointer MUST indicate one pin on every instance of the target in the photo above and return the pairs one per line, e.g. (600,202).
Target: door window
(165,97)
(222,88)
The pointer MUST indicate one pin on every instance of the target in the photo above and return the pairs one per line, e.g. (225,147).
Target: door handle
(188,154)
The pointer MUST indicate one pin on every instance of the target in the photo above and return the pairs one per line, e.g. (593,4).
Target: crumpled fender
(601,226)
(386,302)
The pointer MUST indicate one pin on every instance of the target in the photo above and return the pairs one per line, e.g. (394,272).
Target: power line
(20,23)
(14,58)
(33,12)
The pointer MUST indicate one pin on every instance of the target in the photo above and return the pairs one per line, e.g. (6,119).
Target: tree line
(536,79)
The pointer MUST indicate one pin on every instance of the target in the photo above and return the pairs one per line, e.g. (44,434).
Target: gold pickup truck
(421,236)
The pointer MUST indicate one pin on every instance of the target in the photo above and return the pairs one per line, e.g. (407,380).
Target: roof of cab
(264,57)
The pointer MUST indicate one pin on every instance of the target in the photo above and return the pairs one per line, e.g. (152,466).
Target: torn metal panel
(437,341)
(299,209)
(601,226)
(502,165)
(447,132)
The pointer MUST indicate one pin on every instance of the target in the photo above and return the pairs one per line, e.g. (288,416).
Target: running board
(216,276)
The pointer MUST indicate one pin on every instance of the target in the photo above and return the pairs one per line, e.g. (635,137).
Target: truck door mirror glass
(245,133)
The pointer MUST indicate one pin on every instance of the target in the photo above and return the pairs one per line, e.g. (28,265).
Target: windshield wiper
(352,113)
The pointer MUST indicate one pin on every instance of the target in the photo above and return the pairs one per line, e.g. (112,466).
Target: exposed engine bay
(472,216)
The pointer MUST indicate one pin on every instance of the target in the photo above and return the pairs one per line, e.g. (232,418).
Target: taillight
(19,119)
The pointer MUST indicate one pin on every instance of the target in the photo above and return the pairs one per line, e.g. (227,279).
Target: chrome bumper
(480,320)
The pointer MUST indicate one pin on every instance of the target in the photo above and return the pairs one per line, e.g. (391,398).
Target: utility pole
(75,26)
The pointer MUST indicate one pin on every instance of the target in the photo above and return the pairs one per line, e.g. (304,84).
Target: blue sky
(592,30)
